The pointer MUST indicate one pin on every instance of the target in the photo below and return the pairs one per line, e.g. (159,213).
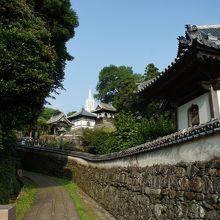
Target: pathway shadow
(45,163)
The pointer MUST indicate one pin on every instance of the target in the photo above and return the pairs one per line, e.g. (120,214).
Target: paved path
(52,201)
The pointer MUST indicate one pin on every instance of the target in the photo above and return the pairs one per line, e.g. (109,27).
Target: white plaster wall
(201,149)
(82,123)
(204,111)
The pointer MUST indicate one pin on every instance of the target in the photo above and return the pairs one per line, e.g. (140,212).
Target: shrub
(157,126)
(130,131)
(97,141)
(9,186)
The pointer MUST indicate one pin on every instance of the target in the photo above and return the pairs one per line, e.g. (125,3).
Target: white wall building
(82,119)
(204,115)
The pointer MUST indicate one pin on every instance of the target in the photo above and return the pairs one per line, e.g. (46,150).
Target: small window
(88,123)
(193,115)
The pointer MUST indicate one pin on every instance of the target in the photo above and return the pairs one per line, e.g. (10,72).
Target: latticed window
(193,115)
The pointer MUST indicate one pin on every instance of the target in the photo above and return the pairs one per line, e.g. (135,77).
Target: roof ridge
(208,26)
(83,112)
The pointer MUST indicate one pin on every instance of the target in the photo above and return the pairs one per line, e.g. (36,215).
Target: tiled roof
(56,118)
(208,35)
(144,84)
(213,30)
(83,112)
(104,106)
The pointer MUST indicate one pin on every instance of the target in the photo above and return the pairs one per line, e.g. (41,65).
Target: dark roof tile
(208,35)
(104,106)
(83,112)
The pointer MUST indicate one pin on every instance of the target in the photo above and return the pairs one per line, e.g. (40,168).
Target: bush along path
(52,200)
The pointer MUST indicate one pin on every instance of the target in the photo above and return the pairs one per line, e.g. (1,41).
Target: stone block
(7,212)
(184,183)
(172,194)
(208,188)
(180,172)
(196,211)
(196,184)
(212,215)
(150,191)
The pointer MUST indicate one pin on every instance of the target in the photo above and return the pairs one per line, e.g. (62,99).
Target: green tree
(71,113)
(116,85)
(154,107)
(40,124)
(33,34)
(151,71)
(130,132)
(158,126)
(46,113)
(61,22)
(127,131)
(98,141)
(32,55)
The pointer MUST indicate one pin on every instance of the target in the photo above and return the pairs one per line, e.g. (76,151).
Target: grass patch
(25,199)
(83,211)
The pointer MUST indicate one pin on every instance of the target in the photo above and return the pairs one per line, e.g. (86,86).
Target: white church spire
(90,102)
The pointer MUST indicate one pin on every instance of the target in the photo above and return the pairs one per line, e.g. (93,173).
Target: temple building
(59,123)
(90,102)
(192,82)
(105,114)
(82,119)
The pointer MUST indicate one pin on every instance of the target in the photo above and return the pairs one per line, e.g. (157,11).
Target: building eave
(169,81)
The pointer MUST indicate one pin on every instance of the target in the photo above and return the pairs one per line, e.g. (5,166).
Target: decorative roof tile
(208,35)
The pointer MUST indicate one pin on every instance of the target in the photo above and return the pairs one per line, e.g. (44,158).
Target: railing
(179,137)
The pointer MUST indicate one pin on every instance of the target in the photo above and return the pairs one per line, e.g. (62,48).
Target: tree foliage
(154,108)
(127,131)
(130,132)
(46,113)
(61,22)
(116,85)
(33,34)
(98,141)
(9,186)
(157,126)
(71,113)
(151,71)
(32,55)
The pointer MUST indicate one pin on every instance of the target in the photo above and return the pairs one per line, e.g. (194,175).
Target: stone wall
(181,191)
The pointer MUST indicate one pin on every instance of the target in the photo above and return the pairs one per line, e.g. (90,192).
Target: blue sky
(125,32)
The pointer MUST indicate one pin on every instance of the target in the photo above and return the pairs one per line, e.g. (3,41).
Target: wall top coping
(179,137)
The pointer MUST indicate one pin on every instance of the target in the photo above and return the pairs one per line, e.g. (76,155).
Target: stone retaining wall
(181,191)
